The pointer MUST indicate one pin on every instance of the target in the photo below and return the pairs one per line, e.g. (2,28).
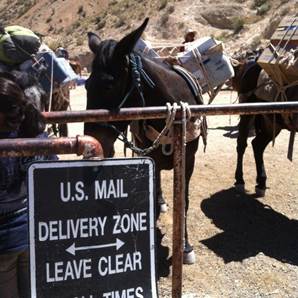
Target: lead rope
(171,110)
(168,149)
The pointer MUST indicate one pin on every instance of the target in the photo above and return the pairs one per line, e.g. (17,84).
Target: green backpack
(17,44)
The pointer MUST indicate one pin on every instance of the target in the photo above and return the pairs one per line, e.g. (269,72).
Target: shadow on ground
(164,261)
(232,131)
(249,227)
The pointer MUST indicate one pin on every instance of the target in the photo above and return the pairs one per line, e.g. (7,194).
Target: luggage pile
(280,58)
(203,58)
(280,61)
(21,50)
(208,63)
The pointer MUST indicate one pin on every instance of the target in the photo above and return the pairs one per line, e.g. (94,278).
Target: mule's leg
(189,256)
(63,130)
(161,205)
(161,201)
(263,137)
(243,131)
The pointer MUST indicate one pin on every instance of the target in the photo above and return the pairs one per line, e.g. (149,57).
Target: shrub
(237,25)
(181,25)
(119,23)
(53,44)
(162,4)
(81,9)
(222,36)
(258,3)
(171,9)
(164,19)
(76,24)
(263,9)
(255,42)
(100,25)
(80,41)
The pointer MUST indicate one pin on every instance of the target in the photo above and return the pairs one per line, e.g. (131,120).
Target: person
(189,36)
(62,53)
(18,118)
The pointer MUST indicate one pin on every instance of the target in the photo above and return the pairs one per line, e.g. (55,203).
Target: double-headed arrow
(72,249)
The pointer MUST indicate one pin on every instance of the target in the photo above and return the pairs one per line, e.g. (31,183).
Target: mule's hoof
(189,257)
(240,187)
(260,192)
(163,208)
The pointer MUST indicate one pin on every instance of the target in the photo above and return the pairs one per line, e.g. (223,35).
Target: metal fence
(179,150)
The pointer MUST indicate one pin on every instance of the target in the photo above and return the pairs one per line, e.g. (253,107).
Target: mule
(254,85)
(76,66)
(39,98)
(111,86)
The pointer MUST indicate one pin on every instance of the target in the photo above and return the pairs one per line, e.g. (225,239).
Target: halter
(137,74)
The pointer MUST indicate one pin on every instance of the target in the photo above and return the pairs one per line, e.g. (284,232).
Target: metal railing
(179,152)
(88,146)
(81,145)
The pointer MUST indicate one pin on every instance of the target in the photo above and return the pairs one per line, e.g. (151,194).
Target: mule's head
(109,78)
(235,81)
(109,82)
(246,70)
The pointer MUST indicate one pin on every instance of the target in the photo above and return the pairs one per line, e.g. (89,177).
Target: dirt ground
(245,247)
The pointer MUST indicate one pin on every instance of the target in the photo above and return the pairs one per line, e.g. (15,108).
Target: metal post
(161,112)
(178,206)
(81,145)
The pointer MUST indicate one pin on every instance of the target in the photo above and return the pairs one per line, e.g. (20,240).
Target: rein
(137,73)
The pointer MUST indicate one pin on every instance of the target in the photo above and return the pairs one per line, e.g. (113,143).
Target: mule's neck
(169,86)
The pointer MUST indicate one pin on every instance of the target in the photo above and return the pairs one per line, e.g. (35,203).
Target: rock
(223,16)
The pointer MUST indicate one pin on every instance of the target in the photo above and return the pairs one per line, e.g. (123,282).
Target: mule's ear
(93,41)
(127,43)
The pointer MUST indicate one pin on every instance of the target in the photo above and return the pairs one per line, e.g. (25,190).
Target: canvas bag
(17,44)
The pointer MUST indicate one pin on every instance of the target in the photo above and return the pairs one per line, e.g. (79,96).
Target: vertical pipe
(178,206)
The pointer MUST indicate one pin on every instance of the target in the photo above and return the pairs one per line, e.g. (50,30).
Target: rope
(51,84)
(198,56)
(186,116)
(171,110)
(168,149)
(281,93)
(137,72)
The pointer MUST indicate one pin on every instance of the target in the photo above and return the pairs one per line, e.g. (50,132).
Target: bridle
(137,74)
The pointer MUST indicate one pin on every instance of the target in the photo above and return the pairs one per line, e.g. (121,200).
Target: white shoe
(163,208)
(189,258)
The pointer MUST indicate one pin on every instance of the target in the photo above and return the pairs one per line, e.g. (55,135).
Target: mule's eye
(106,80)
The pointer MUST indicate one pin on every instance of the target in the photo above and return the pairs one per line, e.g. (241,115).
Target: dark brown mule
(76,66)
(267,127)
(113,83)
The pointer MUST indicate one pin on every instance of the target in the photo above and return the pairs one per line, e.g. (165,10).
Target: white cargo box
(205,59)
(145,48)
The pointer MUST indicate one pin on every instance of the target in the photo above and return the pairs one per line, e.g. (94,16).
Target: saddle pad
(191,81)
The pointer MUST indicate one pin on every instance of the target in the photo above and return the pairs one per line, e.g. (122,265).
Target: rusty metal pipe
(178,206)
(81,145)
(161,112)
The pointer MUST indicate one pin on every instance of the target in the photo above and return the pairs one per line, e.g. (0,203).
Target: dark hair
(20,113)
